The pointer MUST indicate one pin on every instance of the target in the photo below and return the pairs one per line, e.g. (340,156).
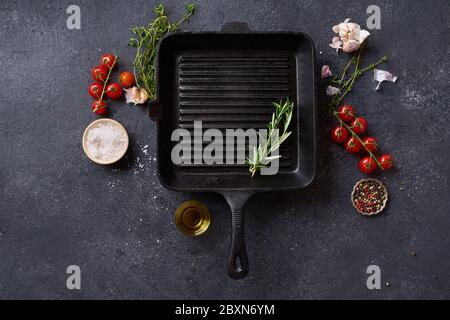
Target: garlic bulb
(351,36)
(136,95)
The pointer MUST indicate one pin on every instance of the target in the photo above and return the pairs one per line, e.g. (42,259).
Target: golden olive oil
(192,218)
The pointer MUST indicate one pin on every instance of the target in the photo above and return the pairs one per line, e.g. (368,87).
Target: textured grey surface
(58,209)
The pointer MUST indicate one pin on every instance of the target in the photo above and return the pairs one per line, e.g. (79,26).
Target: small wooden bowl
(384,202)
(112,161)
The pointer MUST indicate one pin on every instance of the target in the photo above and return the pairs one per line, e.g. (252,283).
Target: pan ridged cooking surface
(234,92)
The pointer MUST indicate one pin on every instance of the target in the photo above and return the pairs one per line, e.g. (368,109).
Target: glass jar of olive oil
(192,218)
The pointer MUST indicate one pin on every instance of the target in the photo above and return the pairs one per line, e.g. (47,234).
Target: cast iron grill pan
(228,80)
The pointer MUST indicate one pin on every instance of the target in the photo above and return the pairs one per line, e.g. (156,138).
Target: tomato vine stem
(355,135)
(105,83)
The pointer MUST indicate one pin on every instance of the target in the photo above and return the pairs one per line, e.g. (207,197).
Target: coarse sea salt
(106,141)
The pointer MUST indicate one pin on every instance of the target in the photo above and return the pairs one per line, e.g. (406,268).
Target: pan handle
(155,110)
(238,260)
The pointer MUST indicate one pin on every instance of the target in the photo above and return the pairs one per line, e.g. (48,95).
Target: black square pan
(229,80)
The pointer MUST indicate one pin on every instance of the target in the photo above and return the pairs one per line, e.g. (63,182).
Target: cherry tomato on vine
(95,90)
(100,73)
(370,144)
(359,125)
(353,145)
(386,161)
(127,79)
(114,91)
(99,107)
(108,60)
(346,113)
(367,165)
(339,134)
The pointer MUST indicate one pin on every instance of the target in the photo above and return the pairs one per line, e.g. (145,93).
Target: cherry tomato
(100,73)
(99,107)
(108,60)
(95,90)
(370,144)
(359,125)
(114,91)
(126,79)
(346,113)
(367,165)
(353,145)
(339,134)
(386,161)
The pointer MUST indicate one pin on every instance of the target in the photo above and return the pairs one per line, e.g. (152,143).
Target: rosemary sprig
(346,85)
(281,119)
(146,40)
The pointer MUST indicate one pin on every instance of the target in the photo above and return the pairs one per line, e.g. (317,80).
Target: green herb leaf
(145,40)
(262,155)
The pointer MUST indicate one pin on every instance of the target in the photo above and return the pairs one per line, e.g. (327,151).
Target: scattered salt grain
(145,150)
(106,141)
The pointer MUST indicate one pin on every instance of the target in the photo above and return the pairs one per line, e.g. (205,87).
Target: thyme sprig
(346,85)
(261,156)
(146,39)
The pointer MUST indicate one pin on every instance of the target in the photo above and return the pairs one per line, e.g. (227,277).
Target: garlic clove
(336,28)
(331,91)
(351,46)
(326,72)
(336,43)
(381,76)
(363,34)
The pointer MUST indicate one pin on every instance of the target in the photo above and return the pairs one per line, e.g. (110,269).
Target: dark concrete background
(58,209)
